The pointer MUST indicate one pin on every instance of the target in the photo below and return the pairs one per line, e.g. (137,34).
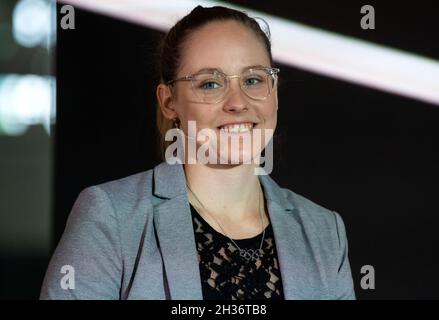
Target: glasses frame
(270,72)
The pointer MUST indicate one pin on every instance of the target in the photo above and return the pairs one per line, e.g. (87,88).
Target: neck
(227,191)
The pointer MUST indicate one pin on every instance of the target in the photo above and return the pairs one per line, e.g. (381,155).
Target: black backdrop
(371,156)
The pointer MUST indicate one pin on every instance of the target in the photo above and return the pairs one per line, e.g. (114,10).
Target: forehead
(225,45)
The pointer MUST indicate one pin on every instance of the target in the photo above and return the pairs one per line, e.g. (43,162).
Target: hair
(171,46)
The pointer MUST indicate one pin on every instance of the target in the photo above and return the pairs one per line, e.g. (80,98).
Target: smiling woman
(195,230)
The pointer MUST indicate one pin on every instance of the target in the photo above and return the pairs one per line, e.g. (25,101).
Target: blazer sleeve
(87,263)
(344,289)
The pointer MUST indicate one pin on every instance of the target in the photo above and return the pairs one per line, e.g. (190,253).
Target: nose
(235,100)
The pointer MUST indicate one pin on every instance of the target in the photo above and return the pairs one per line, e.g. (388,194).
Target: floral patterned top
(226,274)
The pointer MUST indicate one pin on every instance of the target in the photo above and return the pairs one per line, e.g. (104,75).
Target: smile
(237,128)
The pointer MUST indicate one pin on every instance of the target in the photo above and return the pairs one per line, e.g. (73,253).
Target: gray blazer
(133,238)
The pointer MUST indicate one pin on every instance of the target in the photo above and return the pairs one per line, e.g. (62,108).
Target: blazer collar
(177,243)
(169,182)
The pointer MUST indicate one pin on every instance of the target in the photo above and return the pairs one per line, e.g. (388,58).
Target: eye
(209,85)
(251,81)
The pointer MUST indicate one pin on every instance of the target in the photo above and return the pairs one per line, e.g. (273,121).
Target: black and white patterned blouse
(225,275)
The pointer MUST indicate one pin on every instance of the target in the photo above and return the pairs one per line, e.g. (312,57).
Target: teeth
(237,128)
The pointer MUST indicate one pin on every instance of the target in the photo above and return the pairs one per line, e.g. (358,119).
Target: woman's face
(232,48)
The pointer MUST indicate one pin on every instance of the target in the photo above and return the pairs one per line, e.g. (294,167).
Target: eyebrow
(210,69)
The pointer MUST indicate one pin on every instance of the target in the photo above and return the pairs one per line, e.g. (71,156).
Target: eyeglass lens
(211,87)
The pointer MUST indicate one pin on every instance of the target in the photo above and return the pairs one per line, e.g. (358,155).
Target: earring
(176,123)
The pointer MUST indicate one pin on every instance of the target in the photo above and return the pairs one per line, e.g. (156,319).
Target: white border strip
(301,46)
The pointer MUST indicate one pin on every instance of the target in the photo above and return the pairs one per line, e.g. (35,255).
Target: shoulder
(319,221)
(116,198)
(129,187)
(312,209)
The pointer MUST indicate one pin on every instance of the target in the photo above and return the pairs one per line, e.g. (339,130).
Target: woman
(205,229)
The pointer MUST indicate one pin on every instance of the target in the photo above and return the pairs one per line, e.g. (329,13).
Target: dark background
(369,155)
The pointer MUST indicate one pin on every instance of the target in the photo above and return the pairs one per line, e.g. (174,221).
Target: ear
(166,101)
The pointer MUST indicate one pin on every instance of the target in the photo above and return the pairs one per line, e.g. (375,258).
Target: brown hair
(170,48)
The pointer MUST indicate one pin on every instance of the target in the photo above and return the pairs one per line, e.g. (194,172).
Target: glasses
(212,86)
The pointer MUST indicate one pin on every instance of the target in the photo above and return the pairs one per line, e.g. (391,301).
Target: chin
(246,157)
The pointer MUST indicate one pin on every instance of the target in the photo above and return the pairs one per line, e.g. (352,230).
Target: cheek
(203,115)
(269,112)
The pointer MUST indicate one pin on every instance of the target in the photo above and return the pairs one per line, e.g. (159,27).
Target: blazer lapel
(173,222)
(289,239)
(174,228)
